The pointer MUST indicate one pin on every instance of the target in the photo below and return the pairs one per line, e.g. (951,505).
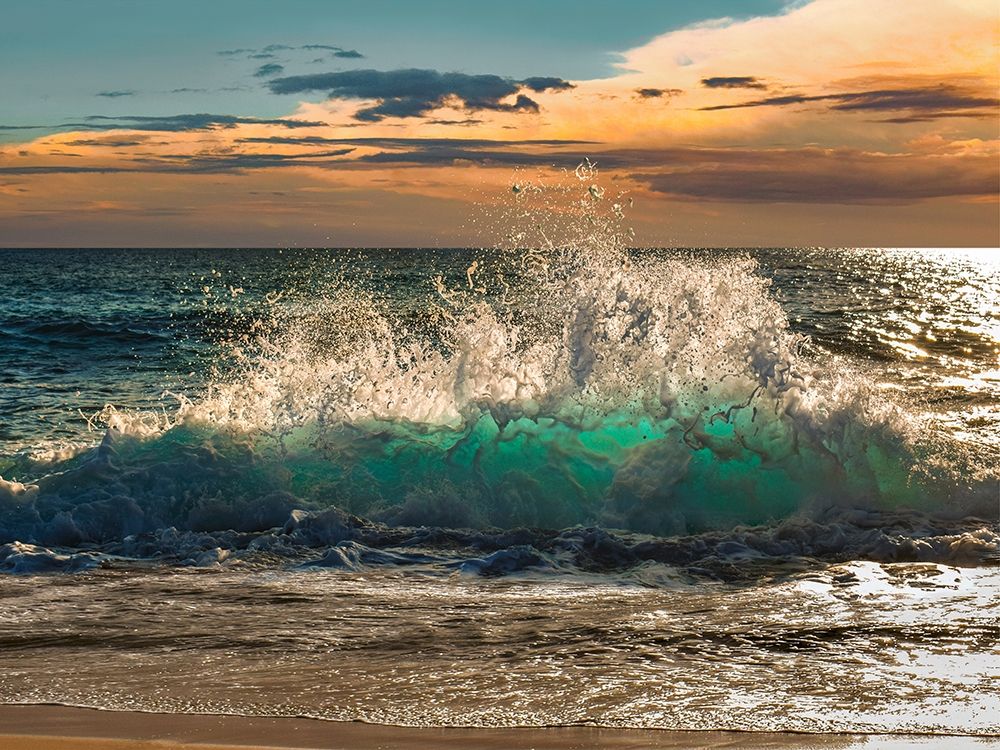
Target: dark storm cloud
(271,69)
(657,93)
(732,82)
(182,123)
(413,92)
(924,102)
(115,94)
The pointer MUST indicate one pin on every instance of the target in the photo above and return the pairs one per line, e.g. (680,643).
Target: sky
(328,123)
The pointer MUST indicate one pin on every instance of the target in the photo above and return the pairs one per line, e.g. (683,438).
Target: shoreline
(57,727)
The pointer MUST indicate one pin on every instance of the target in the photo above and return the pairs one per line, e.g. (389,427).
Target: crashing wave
(573,384)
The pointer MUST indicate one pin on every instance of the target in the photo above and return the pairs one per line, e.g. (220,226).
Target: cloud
(923,102)
(414,92)
(732,82)
(810,175)
(650,93)
(115,94)
(109,141)
(812,49)
(350,54)
(463,123)
(903,119)
(838,175)
(182,123)
(266,53)
(187,164)
(241,154)
(392,142)
(781,158)
(64,169)
(237,162)
(936,98)
(817,175)
(540,84)
(449,155)
(268,70)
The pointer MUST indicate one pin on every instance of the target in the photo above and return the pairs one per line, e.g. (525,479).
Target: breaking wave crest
(571,383)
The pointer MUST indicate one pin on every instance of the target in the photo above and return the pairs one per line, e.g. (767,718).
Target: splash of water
(566,381)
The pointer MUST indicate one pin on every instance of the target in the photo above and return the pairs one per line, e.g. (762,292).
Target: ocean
(547,482)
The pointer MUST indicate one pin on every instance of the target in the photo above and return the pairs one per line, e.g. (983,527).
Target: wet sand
(65,728)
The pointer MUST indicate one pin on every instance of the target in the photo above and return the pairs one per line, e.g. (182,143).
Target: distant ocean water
(735,489)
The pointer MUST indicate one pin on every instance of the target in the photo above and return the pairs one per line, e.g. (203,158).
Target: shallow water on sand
(858,647)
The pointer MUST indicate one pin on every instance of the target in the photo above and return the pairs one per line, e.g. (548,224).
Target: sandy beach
(29,727)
